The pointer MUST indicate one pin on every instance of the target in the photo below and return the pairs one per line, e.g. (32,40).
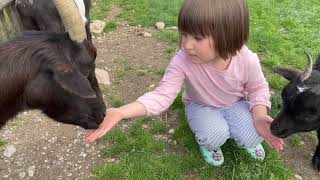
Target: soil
(49,150)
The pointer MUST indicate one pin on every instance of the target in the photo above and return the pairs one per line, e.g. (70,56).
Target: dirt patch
(49,150)
(299,157)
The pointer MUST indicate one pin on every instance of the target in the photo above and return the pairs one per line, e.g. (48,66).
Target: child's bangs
(192,22)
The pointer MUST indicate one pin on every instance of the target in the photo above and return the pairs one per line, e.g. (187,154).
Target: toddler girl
(226,93)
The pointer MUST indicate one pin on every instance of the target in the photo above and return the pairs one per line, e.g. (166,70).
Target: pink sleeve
(162,97)
(257,86)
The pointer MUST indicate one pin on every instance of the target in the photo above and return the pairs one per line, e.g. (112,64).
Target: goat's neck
(14,76)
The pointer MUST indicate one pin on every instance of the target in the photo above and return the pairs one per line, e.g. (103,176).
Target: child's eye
(198,38)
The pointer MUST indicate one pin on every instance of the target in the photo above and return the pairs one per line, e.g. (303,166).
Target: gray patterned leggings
(213,126)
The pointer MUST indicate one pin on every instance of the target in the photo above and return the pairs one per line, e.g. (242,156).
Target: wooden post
(10,23)
(4,3)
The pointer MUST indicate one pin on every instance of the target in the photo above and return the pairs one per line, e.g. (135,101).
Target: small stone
(160,25)
(9,151)
(97,26)
(111,160)
(102,76)
(146,34)
(171,131)
(22,175)
(298,177)
(5,176)
(175,142)
(144,126)
(31,170)
(82,154)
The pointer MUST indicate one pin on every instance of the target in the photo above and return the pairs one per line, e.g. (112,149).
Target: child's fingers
(275,143)
(93,136)
(278,143)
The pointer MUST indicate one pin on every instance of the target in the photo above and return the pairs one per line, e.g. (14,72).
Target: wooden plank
(10,23)
(5,19)
(3,35)
(4,3)
(14,17)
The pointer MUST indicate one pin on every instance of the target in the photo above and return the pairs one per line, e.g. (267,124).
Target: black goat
(42,15)
(47,71)
(301,104)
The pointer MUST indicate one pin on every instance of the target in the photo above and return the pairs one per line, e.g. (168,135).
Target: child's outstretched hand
(112,118)
(262,125)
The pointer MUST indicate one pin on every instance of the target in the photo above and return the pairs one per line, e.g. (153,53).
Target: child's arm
(262,122)
(114,115)
(151,103)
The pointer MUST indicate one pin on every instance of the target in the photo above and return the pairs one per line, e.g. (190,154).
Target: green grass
(141,72)
(313,137)
(140,156)
(122,72)
(280,31)
(295,140)
(99,9)
(160,71)
(117,103)
(2,142)
(111,26)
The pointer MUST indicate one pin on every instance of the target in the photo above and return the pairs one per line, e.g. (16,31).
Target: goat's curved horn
(307,72)
(71,19)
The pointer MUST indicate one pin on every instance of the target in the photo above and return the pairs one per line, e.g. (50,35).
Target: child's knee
(213,140)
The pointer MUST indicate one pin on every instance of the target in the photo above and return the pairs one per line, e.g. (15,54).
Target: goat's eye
(313,111)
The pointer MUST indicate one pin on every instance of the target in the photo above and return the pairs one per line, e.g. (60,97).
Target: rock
(160,25)
(82,154)
(97,26)
(5,176)
(171,131)
(31,170)
(146,34)
(9,151)
(175,142)
(22,175)
(298,177)
(111,160)
(102,76)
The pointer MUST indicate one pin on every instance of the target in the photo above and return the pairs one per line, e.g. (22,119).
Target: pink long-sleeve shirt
(209,86)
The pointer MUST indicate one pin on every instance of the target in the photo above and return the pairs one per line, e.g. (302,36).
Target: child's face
(200,49)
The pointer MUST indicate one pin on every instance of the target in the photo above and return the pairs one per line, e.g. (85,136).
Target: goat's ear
(289,74)
(73,81)
(92,51)
(318,63)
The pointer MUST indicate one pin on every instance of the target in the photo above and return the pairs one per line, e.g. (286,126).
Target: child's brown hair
(226,21)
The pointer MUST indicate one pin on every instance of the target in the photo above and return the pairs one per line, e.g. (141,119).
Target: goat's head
(61,80)
(301,101)
(62,92)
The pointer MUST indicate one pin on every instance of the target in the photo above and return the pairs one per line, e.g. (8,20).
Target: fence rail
(10,23)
